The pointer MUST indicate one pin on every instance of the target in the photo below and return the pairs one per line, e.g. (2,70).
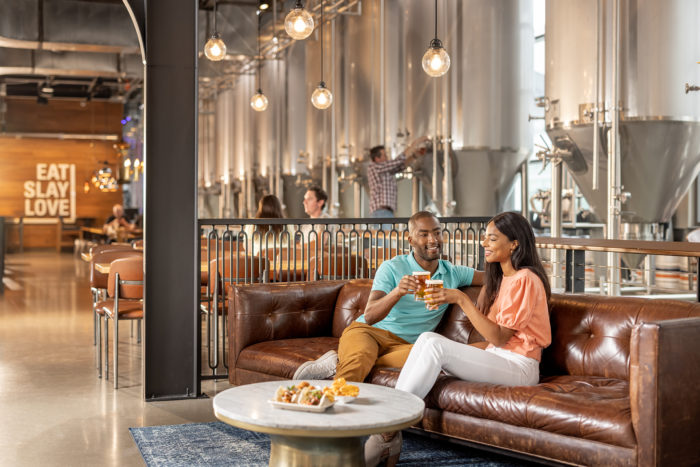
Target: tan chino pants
(363,346)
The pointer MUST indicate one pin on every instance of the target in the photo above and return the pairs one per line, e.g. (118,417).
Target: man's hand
(414,150)
(407,285)
(380,303)
(434,297)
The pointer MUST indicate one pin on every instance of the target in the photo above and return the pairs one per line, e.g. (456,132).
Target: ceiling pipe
(30,70)
(246,64)
(10,43)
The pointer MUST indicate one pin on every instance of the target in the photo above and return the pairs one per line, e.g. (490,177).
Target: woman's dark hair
(270,208)
(515,227)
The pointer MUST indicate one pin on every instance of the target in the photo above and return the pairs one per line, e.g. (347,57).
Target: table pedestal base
(291,451)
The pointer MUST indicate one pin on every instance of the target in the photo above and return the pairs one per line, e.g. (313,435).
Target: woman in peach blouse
(516,327)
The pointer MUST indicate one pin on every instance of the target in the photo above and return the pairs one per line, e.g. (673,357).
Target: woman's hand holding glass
(436,296)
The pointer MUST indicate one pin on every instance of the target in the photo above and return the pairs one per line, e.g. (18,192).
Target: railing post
(575,271)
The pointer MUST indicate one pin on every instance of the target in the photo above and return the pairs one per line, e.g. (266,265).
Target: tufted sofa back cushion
(591,333)
(264,312)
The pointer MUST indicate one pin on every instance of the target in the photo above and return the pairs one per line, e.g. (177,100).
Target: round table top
(377,409)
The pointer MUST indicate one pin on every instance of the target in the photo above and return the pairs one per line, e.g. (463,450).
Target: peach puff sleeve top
(521,305)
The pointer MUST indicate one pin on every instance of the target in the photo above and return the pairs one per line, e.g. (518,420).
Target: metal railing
(643,268)
(245,251)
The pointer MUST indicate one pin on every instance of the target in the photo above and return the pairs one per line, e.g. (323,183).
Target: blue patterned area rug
(218,444)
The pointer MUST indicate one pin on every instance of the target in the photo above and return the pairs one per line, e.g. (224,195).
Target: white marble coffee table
(333,437)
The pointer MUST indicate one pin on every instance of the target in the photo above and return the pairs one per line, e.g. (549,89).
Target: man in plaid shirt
(382,184)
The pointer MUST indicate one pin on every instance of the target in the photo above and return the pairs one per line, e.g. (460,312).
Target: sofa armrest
(265,312)
(664,394)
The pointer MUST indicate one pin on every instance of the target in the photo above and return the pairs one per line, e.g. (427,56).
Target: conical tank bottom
(659,161)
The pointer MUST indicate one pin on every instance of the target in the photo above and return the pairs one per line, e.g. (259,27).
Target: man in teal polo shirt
(393,319)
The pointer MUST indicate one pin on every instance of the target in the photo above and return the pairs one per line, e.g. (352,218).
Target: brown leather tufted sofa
(620,383)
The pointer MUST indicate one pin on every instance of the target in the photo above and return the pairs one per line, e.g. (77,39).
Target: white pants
(433,353)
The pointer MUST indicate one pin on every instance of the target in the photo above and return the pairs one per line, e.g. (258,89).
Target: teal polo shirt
(409,318)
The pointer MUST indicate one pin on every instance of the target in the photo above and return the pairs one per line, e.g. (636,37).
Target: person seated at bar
(393,318)
(117,223)
(516,326)
(269,207)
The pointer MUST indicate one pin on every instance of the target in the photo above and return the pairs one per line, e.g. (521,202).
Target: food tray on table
(325,403)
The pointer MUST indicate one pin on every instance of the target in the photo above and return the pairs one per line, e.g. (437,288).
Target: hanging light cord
(322,42)
(215,31)
(259,56)
(436,19)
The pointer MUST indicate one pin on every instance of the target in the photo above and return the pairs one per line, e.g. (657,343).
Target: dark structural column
(170,229)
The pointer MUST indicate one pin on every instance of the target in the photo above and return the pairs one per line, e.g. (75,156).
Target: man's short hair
(320,194)
(375,152)
(418,216)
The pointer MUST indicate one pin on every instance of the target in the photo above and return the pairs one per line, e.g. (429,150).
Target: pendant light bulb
(215,49)
(299,24)
(322,98)
(258,102)
(436,61)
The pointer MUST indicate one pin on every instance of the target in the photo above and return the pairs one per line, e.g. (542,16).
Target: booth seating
(619,383)
(67,234)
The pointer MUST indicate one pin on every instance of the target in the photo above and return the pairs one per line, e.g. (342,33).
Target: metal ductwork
(78,49)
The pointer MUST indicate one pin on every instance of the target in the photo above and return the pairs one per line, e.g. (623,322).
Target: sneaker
(321,368)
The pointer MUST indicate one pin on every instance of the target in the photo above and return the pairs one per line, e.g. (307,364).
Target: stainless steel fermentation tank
(381,95)
(659,129)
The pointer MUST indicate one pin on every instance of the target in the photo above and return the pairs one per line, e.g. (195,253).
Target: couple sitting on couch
(516,325)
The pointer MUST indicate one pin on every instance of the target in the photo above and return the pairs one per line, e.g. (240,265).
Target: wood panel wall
(19,157)
(63,116)
(18,163)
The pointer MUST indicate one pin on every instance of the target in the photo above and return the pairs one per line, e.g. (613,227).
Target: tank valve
(689,88)
(623,196)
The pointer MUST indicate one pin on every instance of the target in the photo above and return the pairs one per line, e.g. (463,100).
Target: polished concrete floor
(53,408)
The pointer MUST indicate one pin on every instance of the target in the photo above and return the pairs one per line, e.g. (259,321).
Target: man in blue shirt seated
(393,319)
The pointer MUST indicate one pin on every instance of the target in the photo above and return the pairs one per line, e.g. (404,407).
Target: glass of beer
(420,277)
(435,284)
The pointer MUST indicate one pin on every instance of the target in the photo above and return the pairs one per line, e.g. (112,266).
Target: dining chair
(125,288)
(98,287)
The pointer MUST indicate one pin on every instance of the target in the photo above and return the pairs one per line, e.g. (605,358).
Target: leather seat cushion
(283,357)
(588,407)
(592,407)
